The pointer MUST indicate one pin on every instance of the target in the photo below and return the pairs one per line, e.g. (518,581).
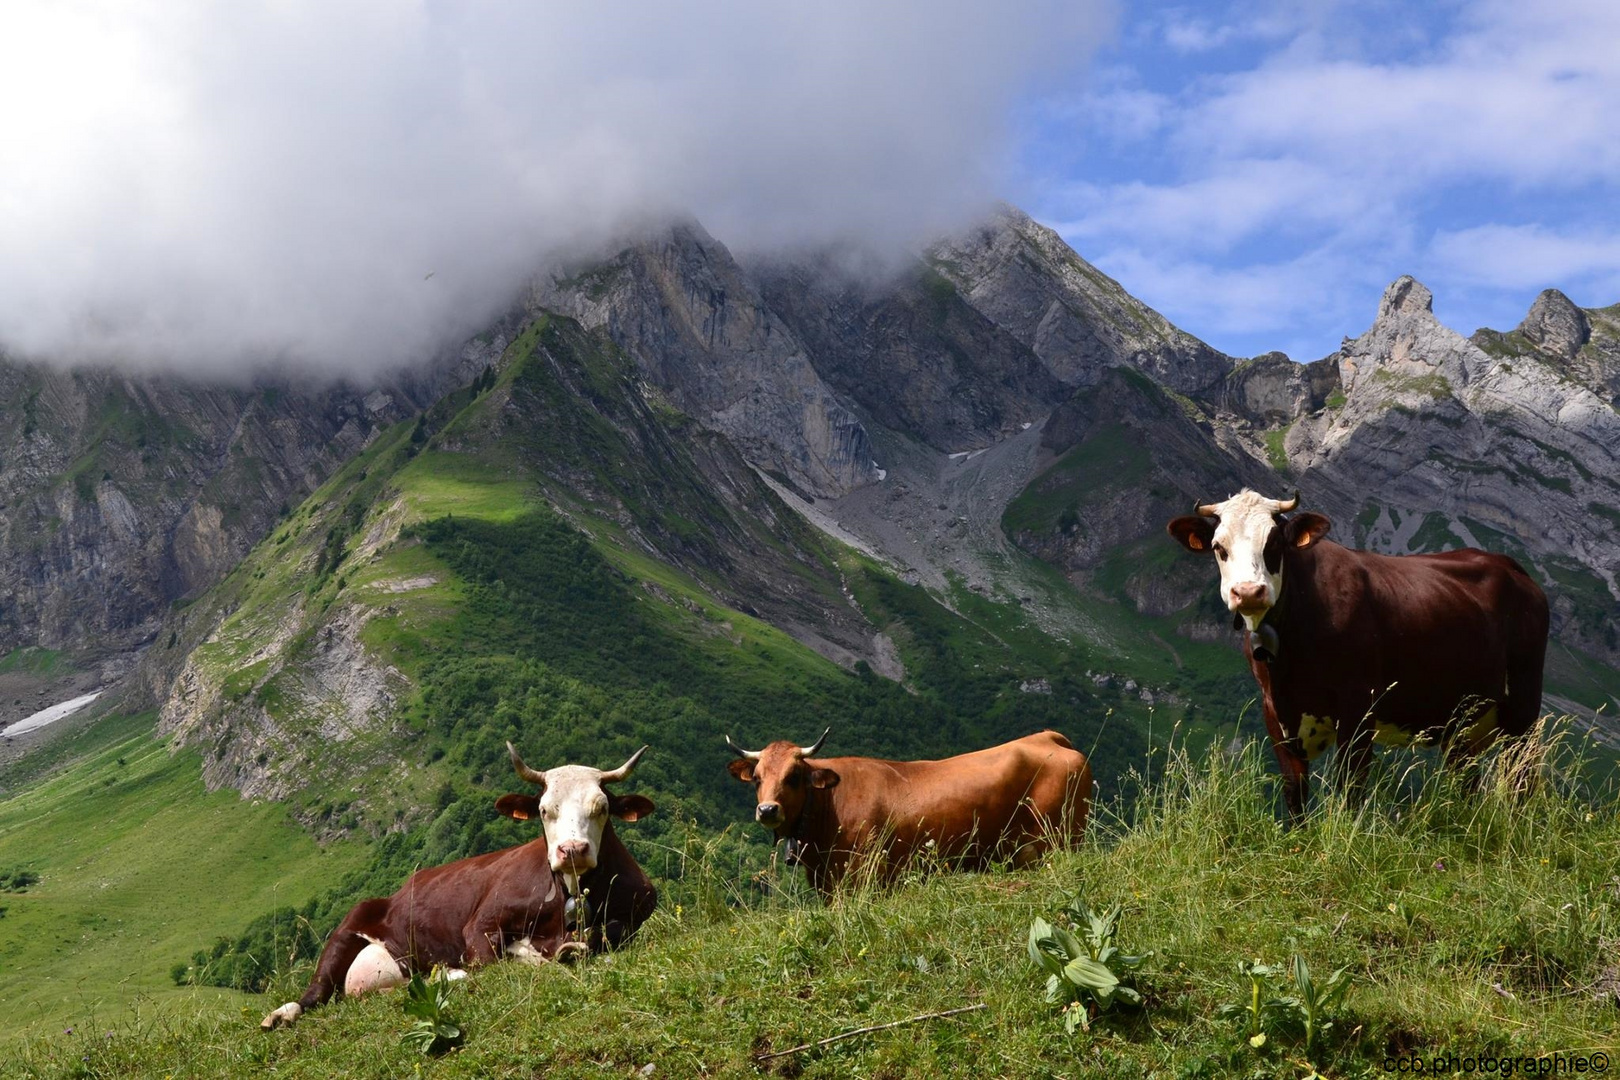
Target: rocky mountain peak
(1080,322)
(1406,296)
(1407,348)
(1556,325)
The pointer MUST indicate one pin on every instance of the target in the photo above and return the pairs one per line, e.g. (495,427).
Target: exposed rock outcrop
(1080,322)
(681,306)
(1271,389)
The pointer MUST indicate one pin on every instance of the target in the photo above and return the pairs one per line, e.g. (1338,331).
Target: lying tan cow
(519,902)
(1008,803)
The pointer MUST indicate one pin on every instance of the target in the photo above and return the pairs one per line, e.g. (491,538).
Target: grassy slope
(1471,925)
(138,865)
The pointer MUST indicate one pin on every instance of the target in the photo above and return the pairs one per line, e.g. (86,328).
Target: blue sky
(1260,172)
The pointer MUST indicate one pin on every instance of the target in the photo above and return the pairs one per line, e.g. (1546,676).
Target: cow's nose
(573,852)
(1250,594)
(767,813)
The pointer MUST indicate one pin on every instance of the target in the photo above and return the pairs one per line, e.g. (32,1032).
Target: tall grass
(1476,918)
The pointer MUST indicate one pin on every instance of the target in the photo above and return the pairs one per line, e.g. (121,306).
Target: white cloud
(1530,256)
(1288,302)
(212,185)
(1220,208)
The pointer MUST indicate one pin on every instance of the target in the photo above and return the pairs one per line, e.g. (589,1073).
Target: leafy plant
(1084,970)
(1263,1006)
(1313,1003)
(1269,1012)
(434,1031)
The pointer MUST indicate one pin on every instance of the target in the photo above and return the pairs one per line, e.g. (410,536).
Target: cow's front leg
(1293,763)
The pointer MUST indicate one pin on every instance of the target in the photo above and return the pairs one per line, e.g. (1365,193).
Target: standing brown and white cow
(528,902)
(1353,647)
(1010,802)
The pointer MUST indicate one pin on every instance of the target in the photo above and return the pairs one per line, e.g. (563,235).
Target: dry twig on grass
(869,1030)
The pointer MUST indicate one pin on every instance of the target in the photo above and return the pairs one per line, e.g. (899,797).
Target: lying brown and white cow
(519,902)
(1353,647)
(1010,802)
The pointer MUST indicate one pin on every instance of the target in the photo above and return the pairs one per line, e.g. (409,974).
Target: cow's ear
(742,769)
(823,778)
(629,807)
(518,807)
(1194,532)
(1303,530)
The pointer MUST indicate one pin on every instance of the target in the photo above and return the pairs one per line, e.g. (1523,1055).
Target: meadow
(1476,924)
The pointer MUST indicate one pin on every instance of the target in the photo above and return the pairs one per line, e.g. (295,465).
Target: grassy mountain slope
(1471,925)
(136,866)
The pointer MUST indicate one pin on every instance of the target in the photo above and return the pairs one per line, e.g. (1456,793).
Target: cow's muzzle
(572,857)
(768,814)
(1250,598)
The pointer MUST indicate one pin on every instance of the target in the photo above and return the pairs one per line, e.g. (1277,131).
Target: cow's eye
(549,813)
(1220,552)
(794,780)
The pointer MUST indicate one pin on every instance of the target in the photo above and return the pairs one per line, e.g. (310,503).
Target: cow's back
(434,904)
(992,801)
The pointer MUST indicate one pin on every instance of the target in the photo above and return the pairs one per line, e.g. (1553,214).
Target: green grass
(1435,385)
(1109,459)
(1471,924)
(1434,534)
(33,660)
(137,864)
(1276,453)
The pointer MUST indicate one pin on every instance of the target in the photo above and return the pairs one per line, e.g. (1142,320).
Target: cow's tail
(1059,738)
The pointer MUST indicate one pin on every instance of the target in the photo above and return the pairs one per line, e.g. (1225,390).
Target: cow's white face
(573,808)
(1248,549)
(573,812)
(1247,536)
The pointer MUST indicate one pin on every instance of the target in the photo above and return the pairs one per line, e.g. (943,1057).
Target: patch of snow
(48,716)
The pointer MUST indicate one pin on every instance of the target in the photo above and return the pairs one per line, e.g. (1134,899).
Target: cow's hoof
(282,1016)
(569,951)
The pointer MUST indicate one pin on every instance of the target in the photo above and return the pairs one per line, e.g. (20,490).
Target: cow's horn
(533,776)
(808,751)
(749,755)
(1285,505)
(623,770)
(1206,509)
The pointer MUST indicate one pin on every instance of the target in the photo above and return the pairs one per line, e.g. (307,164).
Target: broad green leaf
(1087,974)
(1071,944)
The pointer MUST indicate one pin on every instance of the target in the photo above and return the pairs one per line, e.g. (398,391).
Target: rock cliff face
(1023,278)
(119,496)
(698,326)
(912,354)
